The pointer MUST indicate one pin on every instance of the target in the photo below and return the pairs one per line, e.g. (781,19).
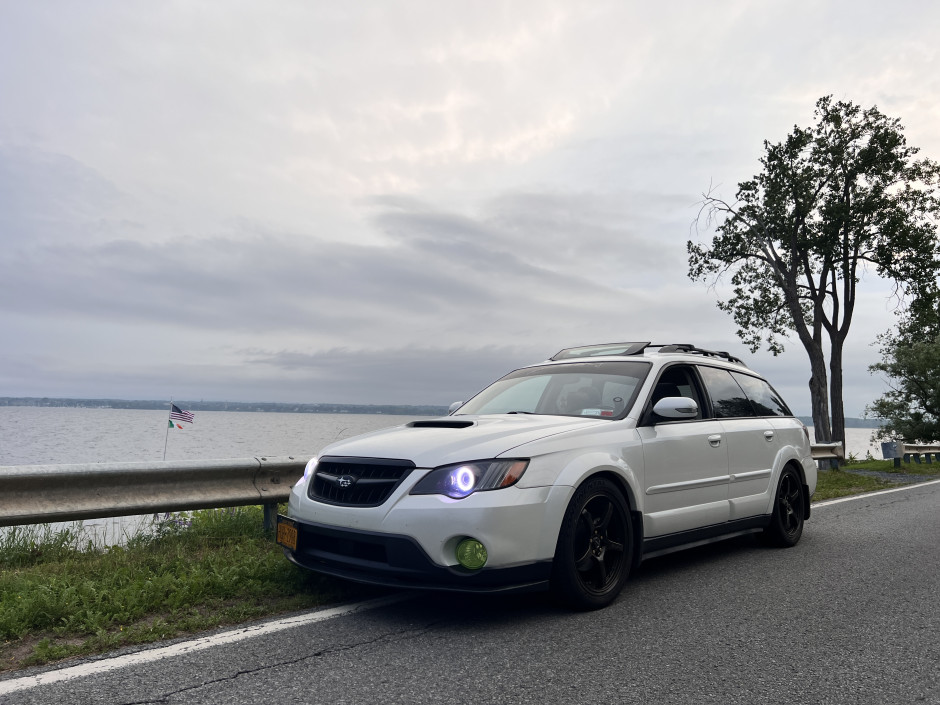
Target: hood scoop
(441,423)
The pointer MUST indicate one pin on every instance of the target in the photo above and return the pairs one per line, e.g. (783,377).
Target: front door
(686,462)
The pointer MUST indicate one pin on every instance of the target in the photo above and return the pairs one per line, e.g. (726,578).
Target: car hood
(452,439)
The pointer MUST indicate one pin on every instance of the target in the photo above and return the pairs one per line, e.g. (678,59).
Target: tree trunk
(819,397)
(819,379)
(835,390)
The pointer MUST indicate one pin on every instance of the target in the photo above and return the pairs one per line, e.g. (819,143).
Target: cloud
(287,201)
(413,375)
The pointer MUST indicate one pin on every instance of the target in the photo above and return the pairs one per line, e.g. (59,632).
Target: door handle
(769,435)
(714,441)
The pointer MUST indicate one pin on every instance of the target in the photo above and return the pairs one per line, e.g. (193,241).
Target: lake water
(60,435)
(53,435)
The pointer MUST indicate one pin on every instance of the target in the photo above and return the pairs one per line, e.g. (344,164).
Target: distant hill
(849,422)
(399,409)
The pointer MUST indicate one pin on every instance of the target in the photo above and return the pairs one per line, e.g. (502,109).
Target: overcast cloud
(398,202)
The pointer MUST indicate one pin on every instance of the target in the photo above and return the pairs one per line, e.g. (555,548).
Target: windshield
(595,389)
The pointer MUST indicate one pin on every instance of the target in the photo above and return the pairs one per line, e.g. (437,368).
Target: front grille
(357,482)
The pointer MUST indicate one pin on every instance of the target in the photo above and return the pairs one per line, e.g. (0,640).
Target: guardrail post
(270,516)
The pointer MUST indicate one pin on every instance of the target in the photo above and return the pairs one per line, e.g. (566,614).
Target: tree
(832,202)
(910,359)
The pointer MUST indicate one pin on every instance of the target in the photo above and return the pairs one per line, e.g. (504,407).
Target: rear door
(751,439)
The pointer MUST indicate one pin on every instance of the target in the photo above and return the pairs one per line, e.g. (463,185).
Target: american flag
(180,415)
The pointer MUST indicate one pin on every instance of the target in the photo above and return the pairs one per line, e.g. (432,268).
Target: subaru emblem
(346,481)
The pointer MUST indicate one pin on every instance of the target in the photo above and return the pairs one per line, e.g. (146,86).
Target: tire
(594,553)
(786,521)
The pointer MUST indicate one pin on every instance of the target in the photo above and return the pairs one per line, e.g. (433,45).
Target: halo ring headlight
(463,479)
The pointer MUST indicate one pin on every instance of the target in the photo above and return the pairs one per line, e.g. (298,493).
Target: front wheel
(786,522)
(595,547)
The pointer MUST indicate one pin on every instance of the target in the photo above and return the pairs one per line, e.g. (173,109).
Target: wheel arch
(636,515)
(792,463)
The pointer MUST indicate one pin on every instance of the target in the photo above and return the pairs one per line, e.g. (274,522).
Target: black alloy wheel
(786,522)
(595,547)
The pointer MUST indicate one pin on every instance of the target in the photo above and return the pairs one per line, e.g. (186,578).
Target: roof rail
(693,350)
(627,349)
(599,350)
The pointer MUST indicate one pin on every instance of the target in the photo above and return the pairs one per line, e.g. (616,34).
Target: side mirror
(676,408)
(453,407)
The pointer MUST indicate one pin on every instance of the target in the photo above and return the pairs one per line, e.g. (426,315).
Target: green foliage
(839,483)
(832,201)
(194,571)
(911,407)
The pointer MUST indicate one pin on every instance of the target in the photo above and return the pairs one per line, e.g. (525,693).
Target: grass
(61,596)
(842,483)
(921,468)
(847,480)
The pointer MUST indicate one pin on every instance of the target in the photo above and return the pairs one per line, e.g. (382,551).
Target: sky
(398,202)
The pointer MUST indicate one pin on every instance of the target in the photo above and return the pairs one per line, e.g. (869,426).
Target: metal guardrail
(913,451)
(828,451)
(37,494)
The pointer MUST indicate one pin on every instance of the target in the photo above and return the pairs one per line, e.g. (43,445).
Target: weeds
(60,595)
(868,475)
(839,483)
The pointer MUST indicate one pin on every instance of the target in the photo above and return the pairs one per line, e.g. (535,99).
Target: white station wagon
(560,475)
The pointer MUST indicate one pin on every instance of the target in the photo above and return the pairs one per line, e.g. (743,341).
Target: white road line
(873,494)
(188,647)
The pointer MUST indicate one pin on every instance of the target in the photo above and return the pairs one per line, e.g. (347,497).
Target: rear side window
(727,398)
(765,400)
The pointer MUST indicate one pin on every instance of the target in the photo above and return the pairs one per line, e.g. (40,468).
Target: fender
(788,455)
(580,468)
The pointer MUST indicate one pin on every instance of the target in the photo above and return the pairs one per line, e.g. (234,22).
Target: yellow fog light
(471,554)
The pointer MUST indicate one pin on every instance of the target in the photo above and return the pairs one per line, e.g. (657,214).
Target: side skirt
(661,545)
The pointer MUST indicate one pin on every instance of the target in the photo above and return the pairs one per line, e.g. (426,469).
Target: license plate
(287,533)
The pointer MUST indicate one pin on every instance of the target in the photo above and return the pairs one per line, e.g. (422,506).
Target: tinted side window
(727,397)
(765,400)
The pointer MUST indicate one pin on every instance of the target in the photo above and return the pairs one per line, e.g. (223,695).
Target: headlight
(308,471)
(463,479)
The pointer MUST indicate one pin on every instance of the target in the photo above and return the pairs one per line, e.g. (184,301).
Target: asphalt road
(847,616)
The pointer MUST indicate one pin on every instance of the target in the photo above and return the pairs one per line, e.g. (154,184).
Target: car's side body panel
(753,449)
(686,476)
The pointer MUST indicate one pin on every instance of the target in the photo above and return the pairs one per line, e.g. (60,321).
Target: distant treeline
(850,422)
(400,409)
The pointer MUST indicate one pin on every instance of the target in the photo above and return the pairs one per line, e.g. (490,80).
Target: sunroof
(599,350)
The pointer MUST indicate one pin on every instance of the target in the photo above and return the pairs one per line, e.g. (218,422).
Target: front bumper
(399,561)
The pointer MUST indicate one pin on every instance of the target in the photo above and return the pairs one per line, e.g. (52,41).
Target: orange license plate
(287,533)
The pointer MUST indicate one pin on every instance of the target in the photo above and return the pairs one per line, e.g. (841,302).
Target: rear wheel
(786,522)
(595,547)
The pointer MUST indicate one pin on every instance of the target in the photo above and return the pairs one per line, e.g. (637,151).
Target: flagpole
(166,437)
